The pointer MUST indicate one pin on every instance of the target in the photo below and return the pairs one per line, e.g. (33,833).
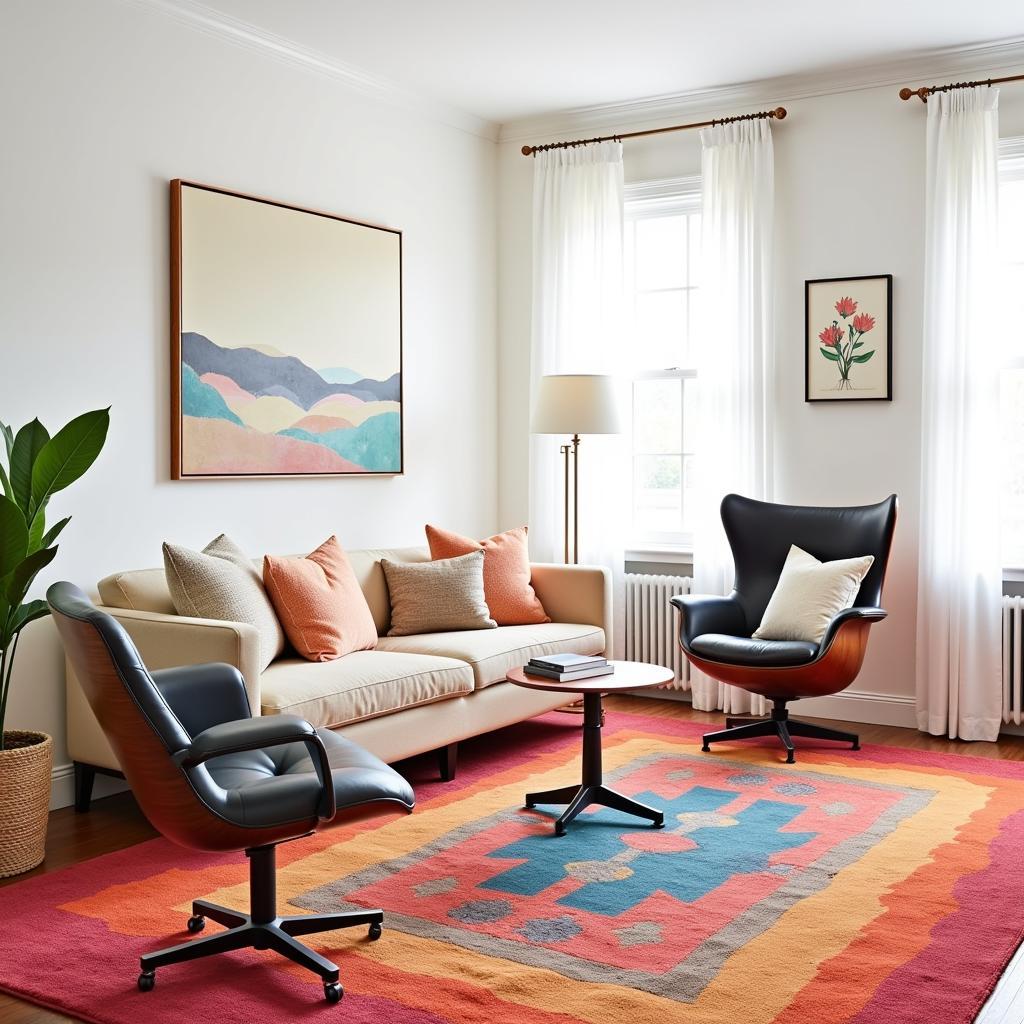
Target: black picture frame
(813,345)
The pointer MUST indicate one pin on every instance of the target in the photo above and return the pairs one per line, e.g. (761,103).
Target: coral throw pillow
(510,597)
(320,603)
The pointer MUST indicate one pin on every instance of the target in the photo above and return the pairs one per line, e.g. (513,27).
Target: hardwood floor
(116,822)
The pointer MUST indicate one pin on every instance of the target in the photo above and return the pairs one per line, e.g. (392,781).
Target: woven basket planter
(26,763)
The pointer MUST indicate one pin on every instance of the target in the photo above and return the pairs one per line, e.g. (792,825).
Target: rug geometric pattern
(876,887)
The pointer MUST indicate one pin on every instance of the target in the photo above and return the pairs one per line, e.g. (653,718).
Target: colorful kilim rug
(877,887)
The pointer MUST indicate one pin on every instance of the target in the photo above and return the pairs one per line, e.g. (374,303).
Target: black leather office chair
(211,777)
(715,632)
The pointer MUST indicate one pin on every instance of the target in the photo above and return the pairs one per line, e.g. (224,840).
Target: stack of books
(567,667)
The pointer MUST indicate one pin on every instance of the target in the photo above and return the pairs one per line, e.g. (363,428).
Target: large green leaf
(27,446)
(68,454)
(13,536)
(27,613)
(54,532)
(5,483)
(865,357)
(830,354)
(25,572)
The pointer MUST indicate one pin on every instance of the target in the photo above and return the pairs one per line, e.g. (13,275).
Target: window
(1011,406)
(662,243)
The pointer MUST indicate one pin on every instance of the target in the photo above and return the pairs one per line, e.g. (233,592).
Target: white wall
(104,102)
(849,172)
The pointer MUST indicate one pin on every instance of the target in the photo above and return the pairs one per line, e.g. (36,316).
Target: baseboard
(849,705)
(62,791)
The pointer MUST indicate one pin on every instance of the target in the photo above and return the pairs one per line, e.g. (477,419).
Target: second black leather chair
(211,777)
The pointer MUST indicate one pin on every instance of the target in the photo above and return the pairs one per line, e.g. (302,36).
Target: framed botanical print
(286,340)
(848,339)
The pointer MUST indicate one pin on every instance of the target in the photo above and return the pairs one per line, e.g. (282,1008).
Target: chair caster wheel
(791,759)
(657,824)
(333,991)
(856,746)
(529,807)
(559,830)
(147,979)
(706,749)
(196,923)
(375,932)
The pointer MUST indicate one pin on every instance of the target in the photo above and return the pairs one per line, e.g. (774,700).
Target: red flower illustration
(832,335)
(843,345)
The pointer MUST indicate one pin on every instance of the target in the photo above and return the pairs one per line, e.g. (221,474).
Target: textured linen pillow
(433,597)
(220,582)
(510,598)
(809,594)
(320,603)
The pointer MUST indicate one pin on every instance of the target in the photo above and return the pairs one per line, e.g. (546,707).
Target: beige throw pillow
(220,582)
(809,594)
(433,597)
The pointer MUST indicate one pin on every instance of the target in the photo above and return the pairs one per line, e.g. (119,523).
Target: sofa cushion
(492,652)
(319,603)
(361,685)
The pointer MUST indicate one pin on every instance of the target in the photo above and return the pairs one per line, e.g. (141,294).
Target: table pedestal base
(592,790)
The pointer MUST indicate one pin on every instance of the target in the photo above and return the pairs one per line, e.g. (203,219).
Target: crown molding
(241,33)
(931,67)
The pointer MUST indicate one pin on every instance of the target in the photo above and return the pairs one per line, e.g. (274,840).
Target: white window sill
(670,554)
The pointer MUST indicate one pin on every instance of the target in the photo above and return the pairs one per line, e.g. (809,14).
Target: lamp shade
(576,403)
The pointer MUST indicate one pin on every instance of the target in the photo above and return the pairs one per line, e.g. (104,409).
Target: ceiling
(523,58)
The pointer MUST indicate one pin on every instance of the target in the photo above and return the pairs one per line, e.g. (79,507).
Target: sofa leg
(85,776)
(446,759)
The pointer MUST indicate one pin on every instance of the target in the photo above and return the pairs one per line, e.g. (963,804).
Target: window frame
(645,200)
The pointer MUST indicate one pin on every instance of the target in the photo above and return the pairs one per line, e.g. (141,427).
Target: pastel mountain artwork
(259,411)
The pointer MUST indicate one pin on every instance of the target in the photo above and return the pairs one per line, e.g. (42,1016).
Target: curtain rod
(778,113)
(926,90)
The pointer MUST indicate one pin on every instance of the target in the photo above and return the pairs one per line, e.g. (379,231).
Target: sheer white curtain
(577,328)
(960,577)
(734,359)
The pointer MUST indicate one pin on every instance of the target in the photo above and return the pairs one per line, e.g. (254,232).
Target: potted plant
(37,467)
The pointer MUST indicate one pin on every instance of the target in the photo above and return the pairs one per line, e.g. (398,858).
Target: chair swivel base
(261,929)
(780,725)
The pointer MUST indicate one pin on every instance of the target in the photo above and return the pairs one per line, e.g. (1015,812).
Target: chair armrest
(202,696)
(170,641)
(257,734)
(575,593)
(849,615)
(701,613)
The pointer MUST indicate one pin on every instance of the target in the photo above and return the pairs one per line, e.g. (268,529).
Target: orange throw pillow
(320,603)
(507,589)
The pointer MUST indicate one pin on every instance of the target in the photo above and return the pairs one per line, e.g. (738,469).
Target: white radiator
(652,623)
(1013,659)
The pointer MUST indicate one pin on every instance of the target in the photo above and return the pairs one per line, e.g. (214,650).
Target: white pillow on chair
(809,594)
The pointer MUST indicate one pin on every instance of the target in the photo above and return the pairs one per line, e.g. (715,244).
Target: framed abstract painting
(848,339)
(286,339)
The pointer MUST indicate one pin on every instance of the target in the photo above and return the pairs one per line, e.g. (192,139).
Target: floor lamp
(575,403)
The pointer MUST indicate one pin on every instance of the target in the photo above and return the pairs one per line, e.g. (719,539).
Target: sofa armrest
(169,641)
(575,593)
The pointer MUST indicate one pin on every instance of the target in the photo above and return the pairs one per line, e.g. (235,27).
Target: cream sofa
(412,694)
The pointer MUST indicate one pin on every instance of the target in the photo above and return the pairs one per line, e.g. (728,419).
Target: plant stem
(6,670)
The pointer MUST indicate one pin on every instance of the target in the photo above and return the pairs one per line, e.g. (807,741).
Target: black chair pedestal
(261,928)
(781,725)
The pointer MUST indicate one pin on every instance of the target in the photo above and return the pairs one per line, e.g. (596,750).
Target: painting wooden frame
(331,287)
(846,321)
